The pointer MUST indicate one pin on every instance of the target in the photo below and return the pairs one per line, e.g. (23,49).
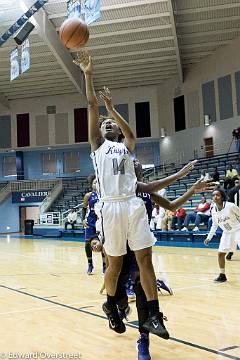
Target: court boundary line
(184,342)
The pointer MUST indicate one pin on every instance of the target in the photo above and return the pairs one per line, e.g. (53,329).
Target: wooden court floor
(50,308)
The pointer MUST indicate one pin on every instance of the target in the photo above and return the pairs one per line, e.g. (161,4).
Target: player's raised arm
(199,186)
(123,125)
(157,185)
(84,61)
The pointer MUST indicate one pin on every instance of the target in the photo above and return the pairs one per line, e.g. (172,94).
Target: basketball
(74,33)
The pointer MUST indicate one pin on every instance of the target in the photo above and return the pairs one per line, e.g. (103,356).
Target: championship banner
(25,56)
(92,11)
(29,196)
(74,9)
(22,20)
(14,65)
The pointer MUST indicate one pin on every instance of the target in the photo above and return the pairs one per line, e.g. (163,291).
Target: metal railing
(203,151)
(4,193)
(52,196)
(26,185)
(32,184)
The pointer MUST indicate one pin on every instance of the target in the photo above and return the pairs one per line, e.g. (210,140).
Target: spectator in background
(157,216)
(234,193)
(234,197)
(167,220)
(231,175)
(238,165)
(204,176)
(178,218)
(71,219)
(215,175)
(201,214)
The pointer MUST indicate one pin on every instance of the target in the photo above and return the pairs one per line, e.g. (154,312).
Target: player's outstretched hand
(105,95)
(84,61)
(96,245)
(206,242)
(206,186)
(186,169)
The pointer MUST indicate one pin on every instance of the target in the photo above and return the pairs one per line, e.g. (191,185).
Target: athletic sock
(111,300)
(153,307)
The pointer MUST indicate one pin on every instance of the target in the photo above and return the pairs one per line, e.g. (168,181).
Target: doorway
(208,147)
(22,217)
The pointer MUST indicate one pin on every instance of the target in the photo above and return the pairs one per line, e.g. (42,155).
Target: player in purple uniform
(89,223)
(130,267)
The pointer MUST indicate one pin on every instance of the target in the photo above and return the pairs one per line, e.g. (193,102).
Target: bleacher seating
(74,190)
(178,188)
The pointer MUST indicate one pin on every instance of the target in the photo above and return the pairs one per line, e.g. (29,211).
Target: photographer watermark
(40,355)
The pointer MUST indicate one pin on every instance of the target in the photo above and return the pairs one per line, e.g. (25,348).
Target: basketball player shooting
(122,214)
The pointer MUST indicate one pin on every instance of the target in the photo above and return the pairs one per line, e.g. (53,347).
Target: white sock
(222,271)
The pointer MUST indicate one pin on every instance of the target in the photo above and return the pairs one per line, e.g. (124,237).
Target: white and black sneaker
(115,323)
(221,278)
(156,326)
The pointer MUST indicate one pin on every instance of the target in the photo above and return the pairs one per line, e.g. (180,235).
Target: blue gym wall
(9,216)
(146,151)
(33,164)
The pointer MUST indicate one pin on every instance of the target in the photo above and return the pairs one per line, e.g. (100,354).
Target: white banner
(25,56)
(14,64)
(74,9)
(92,11)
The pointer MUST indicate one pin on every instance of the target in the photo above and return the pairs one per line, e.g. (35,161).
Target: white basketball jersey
(114,170)
(228,219)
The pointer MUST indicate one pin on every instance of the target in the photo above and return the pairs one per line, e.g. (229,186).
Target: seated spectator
(237,166)
(234,193)
(167,220)
(204,176)
(178,218)
(71,219)
(157,215)
(201,214)
(215,175)
(231,175)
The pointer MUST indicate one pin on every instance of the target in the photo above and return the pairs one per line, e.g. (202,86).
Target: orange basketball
(74,33)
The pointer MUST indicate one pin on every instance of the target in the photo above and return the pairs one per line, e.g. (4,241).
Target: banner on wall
(25,56)
(91,11)
(14,65)
(35,196)
(74,9)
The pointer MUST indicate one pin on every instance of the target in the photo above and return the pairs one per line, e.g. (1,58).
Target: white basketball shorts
(124,221)
(229,241)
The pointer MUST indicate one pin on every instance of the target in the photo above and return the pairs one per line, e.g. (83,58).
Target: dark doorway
(208,147)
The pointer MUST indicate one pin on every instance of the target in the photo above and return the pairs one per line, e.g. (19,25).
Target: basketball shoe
(114,321)
(90,269)
(143,347)
(221,278)
(161,284)
(156,326)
